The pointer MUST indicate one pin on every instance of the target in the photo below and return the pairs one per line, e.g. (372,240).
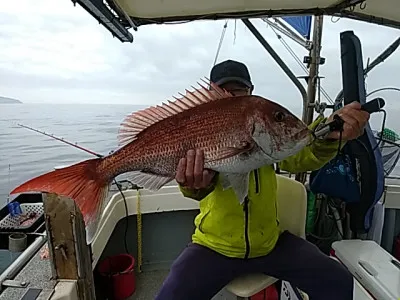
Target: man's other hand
(190,172)
(354,119)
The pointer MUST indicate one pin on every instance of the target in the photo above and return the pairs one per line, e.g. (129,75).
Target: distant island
(5,100)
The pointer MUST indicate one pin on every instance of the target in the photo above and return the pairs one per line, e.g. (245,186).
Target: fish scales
(160,148)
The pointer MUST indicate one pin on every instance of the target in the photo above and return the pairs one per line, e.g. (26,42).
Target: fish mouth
(306,132)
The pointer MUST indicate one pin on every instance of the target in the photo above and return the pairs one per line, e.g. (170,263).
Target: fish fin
(225,183)
(79,182)
(239,182)
(138,121)
(152,182)
(227,152)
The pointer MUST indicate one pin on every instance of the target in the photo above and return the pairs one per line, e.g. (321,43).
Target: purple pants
(199,273)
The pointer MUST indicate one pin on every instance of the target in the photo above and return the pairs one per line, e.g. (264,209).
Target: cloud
(51,51)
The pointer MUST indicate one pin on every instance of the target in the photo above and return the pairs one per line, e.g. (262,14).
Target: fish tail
(80,182)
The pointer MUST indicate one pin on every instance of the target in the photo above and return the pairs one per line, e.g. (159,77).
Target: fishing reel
(372,106)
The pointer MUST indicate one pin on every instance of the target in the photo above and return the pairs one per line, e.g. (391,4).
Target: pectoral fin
(152,182)
(227,152)
(239,182)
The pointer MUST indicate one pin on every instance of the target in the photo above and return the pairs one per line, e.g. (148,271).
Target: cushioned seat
(292,209)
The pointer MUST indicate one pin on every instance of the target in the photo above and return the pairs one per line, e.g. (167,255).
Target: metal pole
(308,112)
(20,262)
(308,108)
(279,61)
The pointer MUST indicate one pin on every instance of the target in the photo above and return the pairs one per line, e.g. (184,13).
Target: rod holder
(17,242)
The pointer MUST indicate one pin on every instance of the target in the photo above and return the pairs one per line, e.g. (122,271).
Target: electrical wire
(384,89)
(126,215)
(221,39)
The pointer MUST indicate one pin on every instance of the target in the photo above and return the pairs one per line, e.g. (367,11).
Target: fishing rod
(71,144)
(61,140)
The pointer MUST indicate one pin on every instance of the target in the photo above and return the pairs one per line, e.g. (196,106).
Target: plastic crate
(13,222)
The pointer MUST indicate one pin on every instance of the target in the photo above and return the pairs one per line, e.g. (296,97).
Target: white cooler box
(372,266)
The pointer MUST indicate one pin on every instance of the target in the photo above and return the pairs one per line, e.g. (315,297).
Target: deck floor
(148,284)
(37,273)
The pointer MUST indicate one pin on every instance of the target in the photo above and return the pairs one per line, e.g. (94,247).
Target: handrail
(20,262)
(278,60)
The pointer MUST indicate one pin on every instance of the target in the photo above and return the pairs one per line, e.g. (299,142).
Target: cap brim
(234,79)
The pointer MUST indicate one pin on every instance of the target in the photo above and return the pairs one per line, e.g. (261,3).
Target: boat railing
(20,262)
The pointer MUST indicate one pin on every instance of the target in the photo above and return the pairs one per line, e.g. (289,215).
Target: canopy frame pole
(278,60)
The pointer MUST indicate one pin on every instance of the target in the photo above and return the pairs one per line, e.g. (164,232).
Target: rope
(297,59)
(221,39)
(139,231)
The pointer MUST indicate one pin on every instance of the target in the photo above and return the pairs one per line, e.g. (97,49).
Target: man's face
(236,89)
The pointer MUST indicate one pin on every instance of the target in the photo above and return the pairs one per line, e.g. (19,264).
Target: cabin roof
(113,13)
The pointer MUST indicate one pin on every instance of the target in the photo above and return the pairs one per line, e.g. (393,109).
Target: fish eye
(279,116)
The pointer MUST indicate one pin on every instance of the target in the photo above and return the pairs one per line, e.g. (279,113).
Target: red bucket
(119,276)
(269,293)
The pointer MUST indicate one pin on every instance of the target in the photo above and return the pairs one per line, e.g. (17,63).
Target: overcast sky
(51,51)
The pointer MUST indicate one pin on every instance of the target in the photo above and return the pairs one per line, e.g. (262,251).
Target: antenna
(9,183)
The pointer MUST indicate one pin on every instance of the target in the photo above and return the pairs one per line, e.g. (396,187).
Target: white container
(372,266)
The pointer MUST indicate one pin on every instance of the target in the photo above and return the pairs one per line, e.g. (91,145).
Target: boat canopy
(113,14)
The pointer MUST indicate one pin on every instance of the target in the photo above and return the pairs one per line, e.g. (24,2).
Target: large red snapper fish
(237,134)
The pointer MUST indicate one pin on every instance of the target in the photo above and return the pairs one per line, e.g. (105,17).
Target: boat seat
(292,209)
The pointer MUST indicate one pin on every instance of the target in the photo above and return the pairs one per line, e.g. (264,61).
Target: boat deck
(37,273)
(149,283)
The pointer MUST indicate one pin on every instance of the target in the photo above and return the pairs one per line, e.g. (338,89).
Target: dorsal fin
(138,121)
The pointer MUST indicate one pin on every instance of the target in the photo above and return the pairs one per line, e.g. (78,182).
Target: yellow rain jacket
(251,229)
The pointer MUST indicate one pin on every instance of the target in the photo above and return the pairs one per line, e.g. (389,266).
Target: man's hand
(354,119)
(190,172)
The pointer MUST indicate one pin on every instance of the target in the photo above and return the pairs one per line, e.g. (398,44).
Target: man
(233,239)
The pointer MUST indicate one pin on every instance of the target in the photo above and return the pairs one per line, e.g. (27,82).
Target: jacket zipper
(246,226)
(246,216)
(256,181)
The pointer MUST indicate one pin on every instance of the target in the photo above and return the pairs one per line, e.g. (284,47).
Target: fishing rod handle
(372,106)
